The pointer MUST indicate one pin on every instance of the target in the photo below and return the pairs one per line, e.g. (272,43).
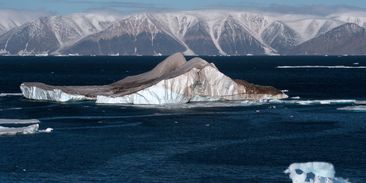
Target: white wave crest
(320,67)
(313,172)
(18,121)
(11,109)
(360,108)
(316,102)
(295,98)
(292,101)
(10,94)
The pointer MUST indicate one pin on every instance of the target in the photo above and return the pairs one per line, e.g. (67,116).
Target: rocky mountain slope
(346,39)
(49,34)
(211,32)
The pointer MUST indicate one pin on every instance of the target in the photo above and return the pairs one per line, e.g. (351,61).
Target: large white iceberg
(313,172)
(173,81)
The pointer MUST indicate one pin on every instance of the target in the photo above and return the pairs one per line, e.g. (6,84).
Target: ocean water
(325,120)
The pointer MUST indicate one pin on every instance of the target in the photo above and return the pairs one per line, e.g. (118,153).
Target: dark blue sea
(324,120)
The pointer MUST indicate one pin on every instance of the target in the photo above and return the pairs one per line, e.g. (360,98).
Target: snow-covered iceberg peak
(172,81)
(313,172)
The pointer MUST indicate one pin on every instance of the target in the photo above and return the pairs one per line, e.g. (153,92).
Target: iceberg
(313,172)
(173,81)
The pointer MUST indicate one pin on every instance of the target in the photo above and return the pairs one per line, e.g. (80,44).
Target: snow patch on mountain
(14,18)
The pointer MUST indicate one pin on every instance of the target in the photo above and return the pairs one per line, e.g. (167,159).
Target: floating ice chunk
(19,121)
(313,172)
(31,129)
(47,130)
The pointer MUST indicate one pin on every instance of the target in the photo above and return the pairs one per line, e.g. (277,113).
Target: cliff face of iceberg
(172,81)
(313,172)
(40,93)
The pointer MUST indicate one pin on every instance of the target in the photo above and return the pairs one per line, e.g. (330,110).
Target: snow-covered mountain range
(12,18)
(206,32)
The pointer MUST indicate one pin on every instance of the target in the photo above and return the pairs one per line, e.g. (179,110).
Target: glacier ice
(313,172)
(173,81)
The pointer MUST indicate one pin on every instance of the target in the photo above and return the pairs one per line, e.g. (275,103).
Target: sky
(131,6)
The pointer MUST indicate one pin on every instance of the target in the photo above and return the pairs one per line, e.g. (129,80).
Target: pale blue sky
(128,6)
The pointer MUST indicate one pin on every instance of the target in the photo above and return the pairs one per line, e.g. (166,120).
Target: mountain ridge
(209,32)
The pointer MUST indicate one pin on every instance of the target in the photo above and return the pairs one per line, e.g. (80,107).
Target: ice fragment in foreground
(313,172)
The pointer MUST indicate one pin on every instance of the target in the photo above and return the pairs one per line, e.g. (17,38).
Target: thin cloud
(312,9)
(321,10)
(107,4)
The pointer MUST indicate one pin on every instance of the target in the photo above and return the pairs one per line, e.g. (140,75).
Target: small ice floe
(295,98)
(18,121)
(313,172)
(32,128)
(356,63)
(47,130)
